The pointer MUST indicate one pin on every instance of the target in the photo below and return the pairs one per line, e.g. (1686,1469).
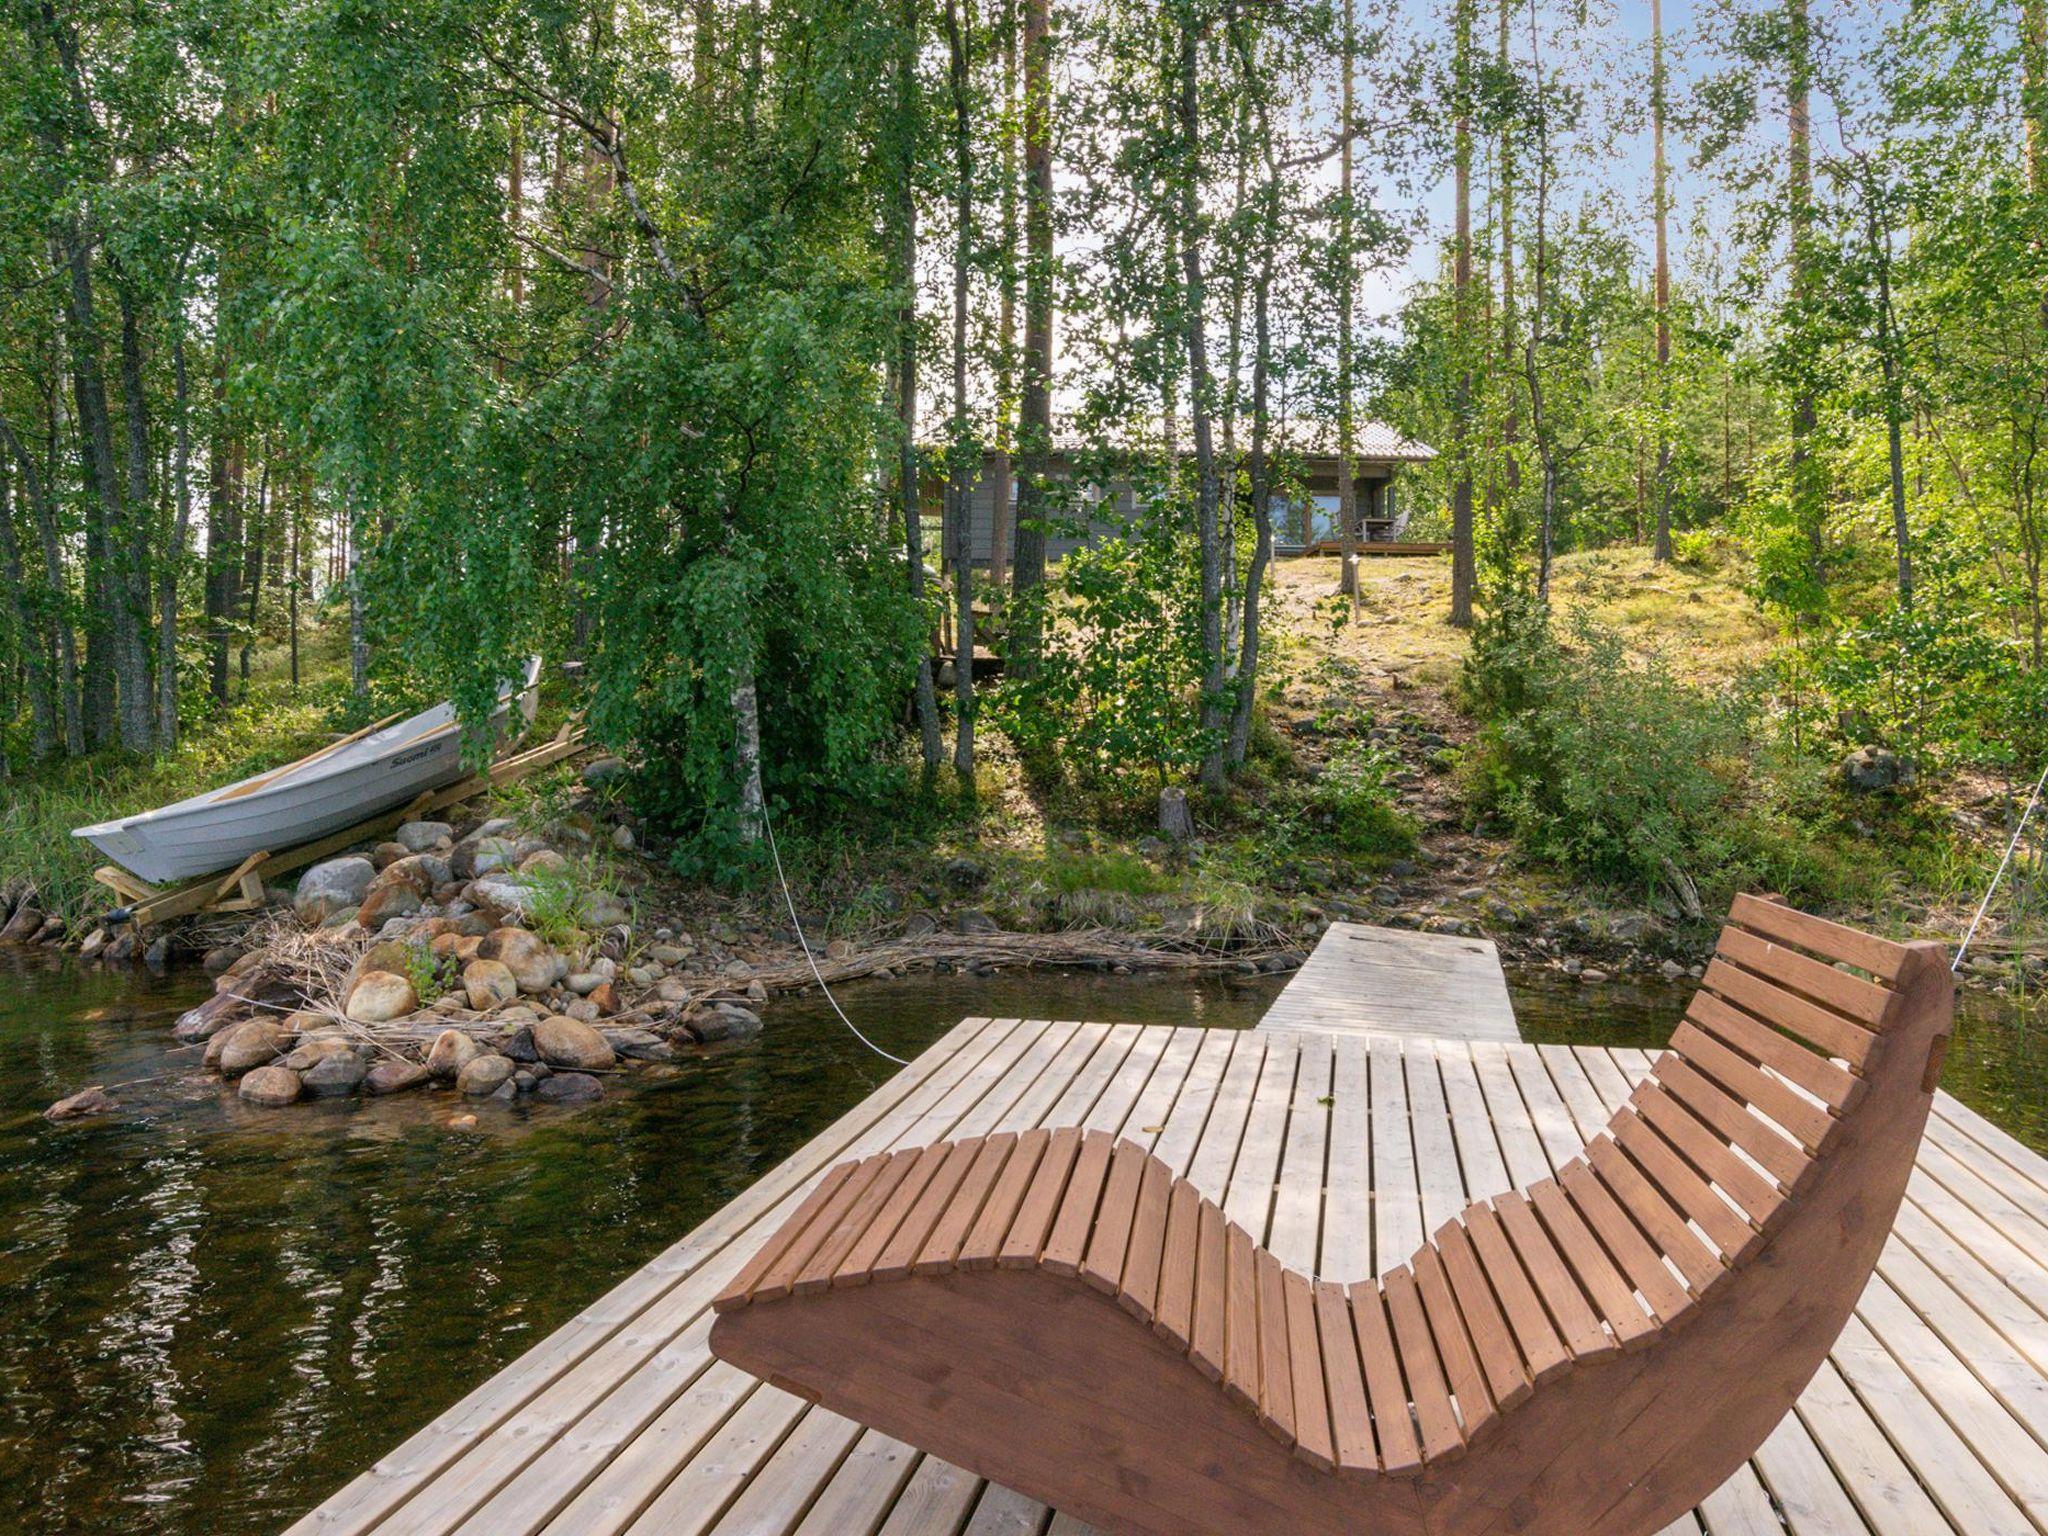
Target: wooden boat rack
(241,888)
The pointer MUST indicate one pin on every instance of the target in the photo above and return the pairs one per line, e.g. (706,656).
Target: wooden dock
(1390,981)
(1340,1152)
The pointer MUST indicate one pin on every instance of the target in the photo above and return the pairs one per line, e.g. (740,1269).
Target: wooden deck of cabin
(1341,1151)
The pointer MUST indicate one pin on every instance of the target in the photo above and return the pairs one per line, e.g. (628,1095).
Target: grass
(271,725)
(1316,813)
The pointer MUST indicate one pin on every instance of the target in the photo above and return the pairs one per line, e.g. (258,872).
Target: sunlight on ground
(1702,621)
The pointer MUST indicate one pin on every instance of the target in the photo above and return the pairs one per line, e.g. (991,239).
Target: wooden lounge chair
(1594,1354)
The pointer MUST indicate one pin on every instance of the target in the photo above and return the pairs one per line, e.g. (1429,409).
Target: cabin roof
(1375,442)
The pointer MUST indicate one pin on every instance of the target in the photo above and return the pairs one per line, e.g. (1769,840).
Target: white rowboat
(336,787)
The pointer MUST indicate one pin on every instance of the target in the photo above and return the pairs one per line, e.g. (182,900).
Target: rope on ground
(2012,843)
(789,901)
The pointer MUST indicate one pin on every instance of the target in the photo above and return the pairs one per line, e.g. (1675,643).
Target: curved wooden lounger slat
(1594,1354)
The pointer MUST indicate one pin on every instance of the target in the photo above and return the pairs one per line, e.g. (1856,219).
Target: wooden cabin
(1301,524)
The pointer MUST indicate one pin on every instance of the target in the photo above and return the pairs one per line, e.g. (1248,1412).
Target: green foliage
(1352,798)
(1937,682)
(1116,697)
(1610,766)
(431,975)
(1695,548)
(558,903)
(1116,870)
(37,815)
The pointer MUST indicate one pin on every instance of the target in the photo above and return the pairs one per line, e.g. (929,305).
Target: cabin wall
(1374,482)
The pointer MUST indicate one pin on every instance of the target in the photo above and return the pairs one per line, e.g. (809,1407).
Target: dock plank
(1364,980)
(1931,1414)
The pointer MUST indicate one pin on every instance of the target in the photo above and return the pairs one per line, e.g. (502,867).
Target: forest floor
(1268,869)
(1270,862)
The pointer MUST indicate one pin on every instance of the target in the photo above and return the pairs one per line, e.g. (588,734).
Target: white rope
(790,902)
(2014,842)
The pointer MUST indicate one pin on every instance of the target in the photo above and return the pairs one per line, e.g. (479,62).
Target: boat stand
(241,888)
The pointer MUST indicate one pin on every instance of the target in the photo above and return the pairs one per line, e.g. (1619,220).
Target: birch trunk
(1660,198)
(746,752)
(1201,393)
(1462,564)
(181,528)
(905,278)
(1035,404)
(1001,522)
(959,477)
(1347,484)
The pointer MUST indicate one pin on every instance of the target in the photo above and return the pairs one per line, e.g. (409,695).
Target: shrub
(1613,767)
(1352,796)
(1116,695)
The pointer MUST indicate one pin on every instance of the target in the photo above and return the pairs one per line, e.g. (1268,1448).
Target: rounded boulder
(387,902)
(451,1051)
(252,1043)
(270,1087)
(419,836)
(334,1077)
(570,1043)
(533,964)
(394,1077)
(332,887)
(489,983)
(569,1088)
(485,1075)
(379,997)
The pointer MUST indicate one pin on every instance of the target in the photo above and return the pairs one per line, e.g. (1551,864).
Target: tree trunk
(1201,393)
(1660,199)
(223,553)
(1260,468)
(1807,499)
(1462,564)
(252,567)
(181,528)
(1510,479)
(960,468)
(2034,88)
(1347,470)
(108,540)
(296,578)
(1894,405)
(746,715)
(358,628)
(1001,522)
(41,698)
(905,278)
(1539,290)
(1034,428)
(138,713)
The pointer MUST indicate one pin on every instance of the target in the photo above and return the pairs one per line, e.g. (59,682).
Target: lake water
(216,1316)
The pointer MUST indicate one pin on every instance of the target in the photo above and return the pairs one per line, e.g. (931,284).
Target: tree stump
(1176,822)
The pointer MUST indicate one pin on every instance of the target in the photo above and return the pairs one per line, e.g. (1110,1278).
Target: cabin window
(1322,518)
(1285,517)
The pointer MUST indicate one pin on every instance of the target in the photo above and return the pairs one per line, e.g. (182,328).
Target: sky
(1614,45)
(1610,53)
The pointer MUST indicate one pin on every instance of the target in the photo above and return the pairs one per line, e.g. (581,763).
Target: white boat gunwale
(258,798)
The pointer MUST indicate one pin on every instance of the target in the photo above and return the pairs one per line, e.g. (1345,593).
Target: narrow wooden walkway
(1390,981)
(1340,1152)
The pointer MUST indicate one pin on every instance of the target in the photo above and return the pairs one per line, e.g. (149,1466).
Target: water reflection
(215,1315)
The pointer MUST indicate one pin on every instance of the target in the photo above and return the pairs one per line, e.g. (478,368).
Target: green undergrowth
(273,725)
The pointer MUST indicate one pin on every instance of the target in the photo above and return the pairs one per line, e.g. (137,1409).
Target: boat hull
(217,831)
